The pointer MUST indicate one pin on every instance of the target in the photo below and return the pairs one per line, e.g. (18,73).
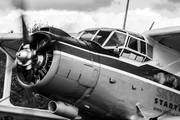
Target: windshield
(101,36)
(116,40)
(88,35)
(105,38)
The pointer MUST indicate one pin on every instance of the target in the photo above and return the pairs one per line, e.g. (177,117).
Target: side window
(143,47)
(133,44)
(137,50)
(137,45)
(149,51)
(117,39)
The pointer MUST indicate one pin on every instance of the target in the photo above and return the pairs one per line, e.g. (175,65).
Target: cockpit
(126,44)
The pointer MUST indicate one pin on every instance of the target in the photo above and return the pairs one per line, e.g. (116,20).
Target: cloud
(4,4)
(71,5)
(174,1)
(165,6)
(5,7)
(168,5)
(73,21)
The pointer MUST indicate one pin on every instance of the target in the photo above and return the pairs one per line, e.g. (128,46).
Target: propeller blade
(30,75)
(27,39)
(19,4)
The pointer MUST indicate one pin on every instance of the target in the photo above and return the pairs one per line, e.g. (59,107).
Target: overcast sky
(76,15)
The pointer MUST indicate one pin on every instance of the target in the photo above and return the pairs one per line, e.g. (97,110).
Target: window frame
(111,47)
(81,34)
(139,49)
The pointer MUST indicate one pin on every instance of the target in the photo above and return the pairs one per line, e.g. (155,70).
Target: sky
(76,15)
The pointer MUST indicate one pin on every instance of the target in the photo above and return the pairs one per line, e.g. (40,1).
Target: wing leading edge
(169,36)
(20,113)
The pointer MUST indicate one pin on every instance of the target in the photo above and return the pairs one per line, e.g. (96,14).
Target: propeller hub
(24,55)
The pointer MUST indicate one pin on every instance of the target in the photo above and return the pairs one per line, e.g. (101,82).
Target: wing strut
(7,80)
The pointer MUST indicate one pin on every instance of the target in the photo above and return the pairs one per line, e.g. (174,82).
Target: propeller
(26,54)
(33,53)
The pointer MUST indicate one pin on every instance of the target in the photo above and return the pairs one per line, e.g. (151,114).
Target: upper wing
(169,36)
(9,43)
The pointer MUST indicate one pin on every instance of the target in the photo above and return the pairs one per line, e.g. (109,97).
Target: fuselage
(126,81)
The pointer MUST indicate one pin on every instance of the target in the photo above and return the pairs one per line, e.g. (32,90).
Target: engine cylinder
(63,109)
(46,76)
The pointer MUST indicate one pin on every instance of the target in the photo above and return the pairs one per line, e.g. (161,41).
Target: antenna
(151,26)
(125,17)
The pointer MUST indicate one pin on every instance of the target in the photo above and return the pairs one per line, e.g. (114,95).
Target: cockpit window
(137,45)
(117,40)
(88,35)
(137,49)
(101,37)
(149,51)
(133,44)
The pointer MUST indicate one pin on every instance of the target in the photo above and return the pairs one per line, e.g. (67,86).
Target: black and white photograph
(89,60)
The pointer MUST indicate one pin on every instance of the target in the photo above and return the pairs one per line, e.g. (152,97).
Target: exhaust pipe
(63,109)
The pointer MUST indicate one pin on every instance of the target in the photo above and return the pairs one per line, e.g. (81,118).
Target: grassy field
(21,96)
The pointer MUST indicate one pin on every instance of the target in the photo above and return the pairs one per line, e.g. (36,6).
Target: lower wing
(21,113)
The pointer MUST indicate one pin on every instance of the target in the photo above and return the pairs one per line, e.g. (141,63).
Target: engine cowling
(36,69)
(58,72)
(43,76)
(53,73)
